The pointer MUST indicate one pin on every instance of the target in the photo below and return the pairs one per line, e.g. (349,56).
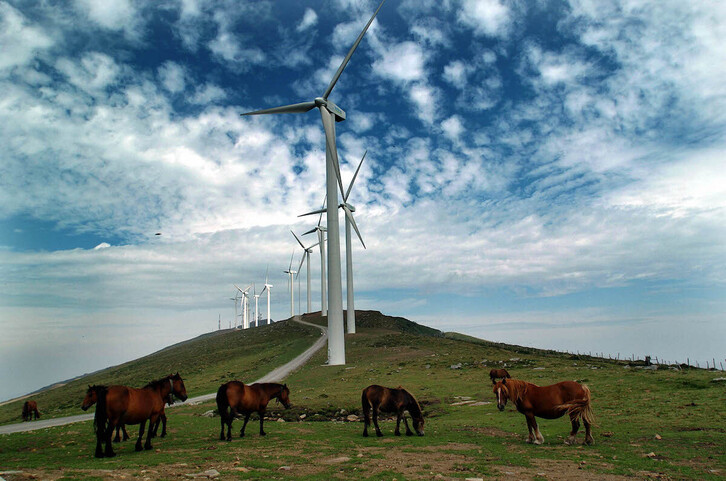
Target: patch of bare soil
(563,470)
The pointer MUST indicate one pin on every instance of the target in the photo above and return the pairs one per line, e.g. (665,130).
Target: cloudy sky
(547,173)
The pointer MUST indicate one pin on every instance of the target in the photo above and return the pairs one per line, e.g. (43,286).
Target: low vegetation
(661,424)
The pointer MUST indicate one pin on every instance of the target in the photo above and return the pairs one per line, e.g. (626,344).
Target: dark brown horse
(118,405)
(236,398)
(92,397)
(30,409)
(495,374)
(387,400)
(548,402)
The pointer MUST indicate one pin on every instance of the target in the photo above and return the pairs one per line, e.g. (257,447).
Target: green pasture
(664,424)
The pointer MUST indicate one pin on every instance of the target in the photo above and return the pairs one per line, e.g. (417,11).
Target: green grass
(631,406)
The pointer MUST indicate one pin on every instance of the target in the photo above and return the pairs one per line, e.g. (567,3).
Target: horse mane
(159,382)
(100,417)
(516,389)
(412,403)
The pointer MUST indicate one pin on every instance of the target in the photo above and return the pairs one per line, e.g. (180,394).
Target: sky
(544,173)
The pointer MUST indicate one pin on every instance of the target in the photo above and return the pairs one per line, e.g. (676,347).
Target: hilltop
(448,373)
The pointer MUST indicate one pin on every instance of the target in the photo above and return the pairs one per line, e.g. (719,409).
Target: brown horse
(92,397)
(235,398)
(548,402)
(495,374)
(30,409)
(118,405)
(387,400)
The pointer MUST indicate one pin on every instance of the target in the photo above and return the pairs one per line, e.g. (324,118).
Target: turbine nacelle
(346,205)
(332,108)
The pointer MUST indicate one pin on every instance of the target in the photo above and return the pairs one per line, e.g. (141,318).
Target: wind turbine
(267,288)
(349,221)
(245,306)
(321,241)
(305,256)
(328,112)
(236,296)
(290,272)
(257,317)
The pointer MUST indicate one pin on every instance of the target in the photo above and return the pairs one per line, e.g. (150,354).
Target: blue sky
(541,173)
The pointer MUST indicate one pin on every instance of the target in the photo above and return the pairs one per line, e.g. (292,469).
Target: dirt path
(277,374)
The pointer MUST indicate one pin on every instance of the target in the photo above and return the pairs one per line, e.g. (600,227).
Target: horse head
(418,424)
(284,396)
(502,393)
(177,387)
(90,399)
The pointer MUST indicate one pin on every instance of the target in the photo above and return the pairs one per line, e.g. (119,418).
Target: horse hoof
(590,442)
(397,433)
(138,447)
(365,435)
(110,455)
(263,434)
(147,447)
(380,435)
(409,433)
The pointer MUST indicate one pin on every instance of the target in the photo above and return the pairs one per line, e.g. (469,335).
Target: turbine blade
(329,127)
(319,211)
(263,290)
(311,231)
(235,285)
(302,259)
(297,239)
(285,109)
(347,193)
(349,215)
(291,256)
(325,199)
(350,53)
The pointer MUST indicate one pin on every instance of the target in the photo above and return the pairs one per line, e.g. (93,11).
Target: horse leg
(142,426)
(222,422)
(244,425)
(539,439)
(100,434)
(397,432)
(405,423)
(588,435)
(117,438)
(262,418)
(530,422)
(575,427)
(375,420)
(150,434)
(107,434)
(366,418)
(163,424)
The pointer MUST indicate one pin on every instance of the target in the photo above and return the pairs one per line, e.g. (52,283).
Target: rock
(352,418)
(303,416)
(538,369)
(280,420)
(658,437)
(210,473)
(650,455)
(341,459)
(242,469)
(428,366)
(719,379)
(208,414)
(284,468)
(474,479)
(455,366)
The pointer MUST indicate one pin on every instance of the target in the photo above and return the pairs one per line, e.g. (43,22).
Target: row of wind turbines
(329,112)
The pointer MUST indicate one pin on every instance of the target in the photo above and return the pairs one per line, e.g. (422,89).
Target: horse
(118,405)
(92,397)
(30,409)
(495,374)
(379,398)
(548,402)
(235,398)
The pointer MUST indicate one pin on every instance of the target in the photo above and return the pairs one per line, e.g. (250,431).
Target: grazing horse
(548,402)
(379,398)
(92,397)
(235,398)
(495,374)
(30,409)
(117,405)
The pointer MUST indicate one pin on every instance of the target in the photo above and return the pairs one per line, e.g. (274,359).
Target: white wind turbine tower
(349,221)
(245,306)
(268,288)
(257,317)
(328,112)
(290,273)
(305,257)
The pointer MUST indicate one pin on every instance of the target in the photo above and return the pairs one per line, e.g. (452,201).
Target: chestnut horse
(235,398)
(495,374)
(548,402)
(117,405)
(92,397)
(387,400)
(30,409)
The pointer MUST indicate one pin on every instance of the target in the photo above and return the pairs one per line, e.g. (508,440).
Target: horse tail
(366,405)
(222,401)
(101,416)
(580,407)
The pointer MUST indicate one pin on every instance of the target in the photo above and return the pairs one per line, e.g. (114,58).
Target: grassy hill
(665,424)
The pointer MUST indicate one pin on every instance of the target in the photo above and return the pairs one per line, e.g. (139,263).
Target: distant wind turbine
(257,316)
(268,288)
(245,305)
(320,230)
(349,221)
(305,257)
(291,272)
(235,298)
(328,112)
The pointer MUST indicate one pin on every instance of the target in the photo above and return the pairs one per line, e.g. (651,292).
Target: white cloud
(456,72)
(102,245)
(20,41)
(95,71)
(172,77)
(424,99)
(452,127)
(310,19)
(208,93)
(115,15)
(403,62)
(487,17)
(228,48)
